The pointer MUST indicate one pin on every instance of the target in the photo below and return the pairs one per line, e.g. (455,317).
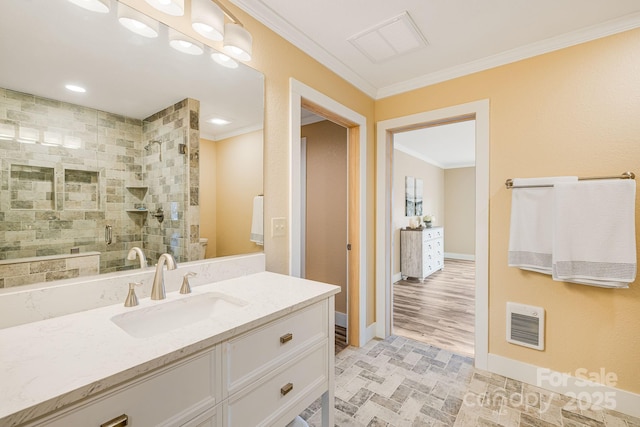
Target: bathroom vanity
(254,350)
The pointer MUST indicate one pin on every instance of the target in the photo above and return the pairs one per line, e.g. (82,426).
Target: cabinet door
(169,397)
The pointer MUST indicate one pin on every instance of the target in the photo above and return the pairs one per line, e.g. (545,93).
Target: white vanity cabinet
(276,371)
(171,396)
(262,377)
(421,251)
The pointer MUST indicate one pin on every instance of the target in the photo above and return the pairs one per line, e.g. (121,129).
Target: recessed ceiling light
(75,88)
(218,121)
(224,60)
(100,6)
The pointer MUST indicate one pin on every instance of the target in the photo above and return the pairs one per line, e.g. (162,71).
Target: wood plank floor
(440,309)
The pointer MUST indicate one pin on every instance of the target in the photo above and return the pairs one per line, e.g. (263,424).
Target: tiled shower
(67,172)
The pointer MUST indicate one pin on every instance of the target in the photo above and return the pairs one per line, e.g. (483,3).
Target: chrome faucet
(157,291)
(132,256)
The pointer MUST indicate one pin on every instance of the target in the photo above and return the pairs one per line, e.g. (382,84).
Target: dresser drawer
(266,401)
(251,355)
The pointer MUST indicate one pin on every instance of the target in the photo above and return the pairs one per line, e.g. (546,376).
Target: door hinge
(348,246)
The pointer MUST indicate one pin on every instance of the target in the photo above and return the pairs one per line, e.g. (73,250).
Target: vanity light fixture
(237,41)
(207,19)
(75,88)
(137,22)
(170,7)
(224,60)
(100,6)
(184,44)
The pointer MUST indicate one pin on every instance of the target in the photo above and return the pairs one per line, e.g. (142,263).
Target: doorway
(384,236)
(433,283)
(324,162)
(303,96)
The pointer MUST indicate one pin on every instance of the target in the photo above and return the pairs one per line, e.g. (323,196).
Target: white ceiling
(463,36)
(45,44)
(446,146)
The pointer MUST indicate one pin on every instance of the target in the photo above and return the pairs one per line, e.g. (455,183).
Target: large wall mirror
(108,141)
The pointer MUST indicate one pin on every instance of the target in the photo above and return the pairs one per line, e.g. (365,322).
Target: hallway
(440,309)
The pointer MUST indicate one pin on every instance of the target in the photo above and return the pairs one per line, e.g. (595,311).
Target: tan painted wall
(207,195)
(239,178)
(459,211)
(569,112)
(326,254)
(433,195)
(279,61)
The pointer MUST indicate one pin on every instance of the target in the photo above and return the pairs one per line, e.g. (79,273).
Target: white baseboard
(464,257)
(396,278)
(341,319)
(577,385)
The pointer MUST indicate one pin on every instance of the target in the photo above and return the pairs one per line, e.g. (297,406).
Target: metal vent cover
(396,36)
(525,325)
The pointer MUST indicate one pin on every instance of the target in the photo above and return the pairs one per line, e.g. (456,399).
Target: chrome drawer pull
(121,421)
(286,338)
(286,389)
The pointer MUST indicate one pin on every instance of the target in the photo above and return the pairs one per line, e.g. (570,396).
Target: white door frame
(384,260)
(298,91)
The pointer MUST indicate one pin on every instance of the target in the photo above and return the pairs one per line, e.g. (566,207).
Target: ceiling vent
(394,37)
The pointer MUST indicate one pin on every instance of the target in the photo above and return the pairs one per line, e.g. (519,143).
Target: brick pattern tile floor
(400,382)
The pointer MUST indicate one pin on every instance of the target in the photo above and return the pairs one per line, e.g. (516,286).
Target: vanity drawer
(265,401)
(168,397)
(262,350)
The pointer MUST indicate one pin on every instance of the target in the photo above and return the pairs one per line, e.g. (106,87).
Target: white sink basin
(166,316)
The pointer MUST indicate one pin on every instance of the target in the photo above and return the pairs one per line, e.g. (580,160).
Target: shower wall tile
(167,174)
(28,271)
(93,155)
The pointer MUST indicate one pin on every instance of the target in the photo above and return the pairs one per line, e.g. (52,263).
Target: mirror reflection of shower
(149,146)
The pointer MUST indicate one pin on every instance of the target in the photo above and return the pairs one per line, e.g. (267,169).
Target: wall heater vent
(525,325)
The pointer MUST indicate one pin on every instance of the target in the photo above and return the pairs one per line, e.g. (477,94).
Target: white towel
(257,221)
(595,237)
(530,235)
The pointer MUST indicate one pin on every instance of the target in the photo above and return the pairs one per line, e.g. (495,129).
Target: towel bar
(625,175)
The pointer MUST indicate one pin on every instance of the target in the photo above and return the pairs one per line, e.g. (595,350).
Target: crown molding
(280,26)
(417,155)
(573,38)
(263,13)
(237,132)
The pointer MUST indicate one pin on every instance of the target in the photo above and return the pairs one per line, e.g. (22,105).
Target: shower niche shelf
(32,187)
(81,190)
(134,200)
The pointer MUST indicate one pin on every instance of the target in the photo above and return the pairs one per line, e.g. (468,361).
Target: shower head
(148,146)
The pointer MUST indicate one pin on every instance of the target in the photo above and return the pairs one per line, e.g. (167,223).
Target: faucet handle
(132,299)
(186,287)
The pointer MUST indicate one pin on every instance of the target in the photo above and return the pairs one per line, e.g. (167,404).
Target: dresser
(421,251)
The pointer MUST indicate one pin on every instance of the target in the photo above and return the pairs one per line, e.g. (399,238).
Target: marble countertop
(49,364)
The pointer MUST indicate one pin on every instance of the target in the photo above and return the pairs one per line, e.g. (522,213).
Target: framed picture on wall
(418,197)
(409,196)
